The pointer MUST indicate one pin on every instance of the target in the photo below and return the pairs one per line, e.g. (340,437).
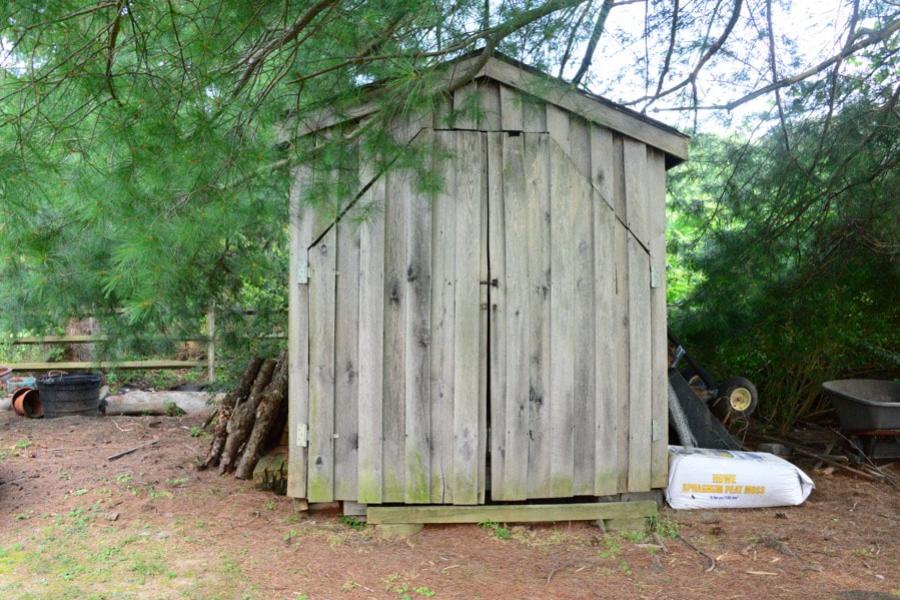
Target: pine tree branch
(870,38)
(596,32)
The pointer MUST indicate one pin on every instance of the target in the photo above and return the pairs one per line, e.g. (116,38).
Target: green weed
(613,547)
(353,522)
(499,531)
(664,527)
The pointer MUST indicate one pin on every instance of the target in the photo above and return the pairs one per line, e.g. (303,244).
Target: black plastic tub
(76,394)
(865,404)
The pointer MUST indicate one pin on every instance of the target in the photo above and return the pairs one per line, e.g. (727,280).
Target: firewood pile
(251,418)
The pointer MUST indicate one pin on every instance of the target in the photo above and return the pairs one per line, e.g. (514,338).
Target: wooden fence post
(211,344)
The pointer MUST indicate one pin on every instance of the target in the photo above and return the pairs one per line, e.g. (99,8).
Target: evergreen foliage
(144,166)
(785,265)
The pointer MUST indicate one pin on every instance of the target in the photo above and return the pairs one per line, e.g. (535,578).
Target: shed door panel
(398,337)
(570,328)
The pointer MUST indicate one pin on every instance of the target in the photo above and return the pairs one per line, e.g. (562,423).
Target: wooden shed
(503,339)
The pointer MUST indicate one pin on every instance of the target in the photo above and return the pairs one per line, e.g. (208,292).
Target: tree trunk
(81,352)
(234,398)
(267,418)
(241,421)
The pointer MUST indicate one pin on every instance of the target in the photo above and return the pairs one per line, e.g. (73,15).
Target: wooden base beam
(510,513)
(126,364)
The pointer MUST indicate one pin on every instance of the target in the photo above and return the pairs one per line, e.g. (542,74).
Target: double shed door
(474,343)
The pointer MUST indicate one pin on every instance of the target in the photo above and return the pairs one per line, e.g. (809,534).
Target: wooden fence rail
(209,363)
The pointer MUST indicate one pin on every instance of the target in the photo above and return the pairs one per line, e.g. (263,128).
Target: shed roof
(528,79)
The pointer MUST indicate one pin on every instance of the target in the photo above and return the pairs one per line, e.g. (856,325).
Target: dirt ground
(75,525)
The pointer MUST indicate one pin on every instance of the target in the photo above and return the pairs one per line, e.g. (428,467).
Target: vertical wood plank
(483,349)
(620,331)
(606,332)
(346,404)
(602,176)
(558,127)
(418,337)
(606,328)
(298,334)
(534,114)
(371,339)
(442,116)
(489,105)
(394,398)
(466,107)
(635,161)
(537,165)
(443,319)
(656,197)
(579,148)
(515,286)
(498,178)
(467,318)
(511,116)
(583,314)
(322,258)
(562,317)
(639,375)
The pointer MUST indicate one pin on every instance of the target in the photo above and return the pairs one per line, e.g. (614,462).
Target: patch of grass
(353,522)
(198,431)
(80,492)
(612,547)
(124,477)
(635,536)
(156,494)
(499,531)
(145,568)
(173,410)
(177,481)
(664,526)
(404,590)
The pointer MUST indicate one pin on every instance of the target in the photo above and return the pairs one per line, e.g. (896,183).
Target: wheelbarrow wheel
(737,397)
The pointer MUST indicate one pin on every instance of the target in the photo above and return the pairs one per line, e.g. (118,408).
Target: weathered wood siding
(537,273)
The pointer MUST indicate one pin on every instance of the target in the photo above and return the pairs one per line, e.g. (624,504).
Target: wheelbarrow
(869,411)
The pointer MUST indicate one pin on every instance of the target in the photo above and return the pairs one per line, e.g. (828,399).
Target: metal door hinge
(302,272)
(302,435)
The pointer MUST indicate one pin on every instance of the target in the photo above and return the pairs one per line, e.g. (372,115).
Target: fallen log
(234,398)
(157,403)
(241,421)
(266,419)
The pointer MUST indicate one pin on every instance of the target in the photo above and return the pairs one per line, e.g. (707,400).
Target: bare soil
(75,525)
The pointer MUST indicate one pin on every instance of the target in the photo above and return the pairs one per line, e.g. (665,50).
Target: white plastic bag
(700,478)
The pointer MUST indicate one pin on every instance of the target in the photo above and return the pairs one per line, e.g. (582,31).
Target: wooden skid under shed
(510,513)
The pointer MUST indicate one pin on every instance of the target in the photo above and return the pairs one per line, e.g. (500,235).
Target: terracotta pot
(27,403)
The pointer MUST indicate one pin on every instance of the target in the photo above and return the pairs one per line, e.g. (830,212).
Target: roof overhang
(540,85)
